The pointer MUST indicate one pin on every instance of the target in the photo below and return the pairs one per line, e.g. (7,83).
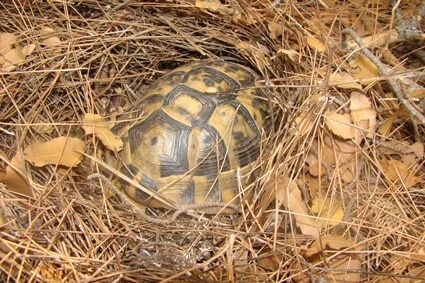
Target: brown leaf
(269,260)
(328,241)
(359,101)
(275,29)
(290,196)
(95,124)
(333,153)
(252,50)
(314,43)
(417,93)
(15,56)
(15,177)
(396,170)
(51,40)
(213,6)
(344,81)
(64,151)
(408,159)
(304,123)
(327,209)
(362,116)
(10,56)
(28,49)
(365,70)
(385,128)
(292,54)
(339,124)
(7,40)
(415,272)
(344,268)
(418,149)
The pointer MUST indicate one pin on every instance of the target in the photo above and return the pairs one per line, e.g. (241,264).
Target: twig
(383,71)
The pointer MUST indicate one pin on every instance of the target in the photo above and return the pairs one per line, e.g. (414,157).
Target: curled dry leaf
(328,241)
(397,171)
(289,195)
(418,149)
(359,101)
(385,128)
(344,80)
(214,6)
(7,40)
(314,43)
(339,124)
(11,54)
(64,151)
(15,177)
(327,209)
(95,124)
(333,154)
(28,49)
(362,115)
(304,124)
(51,40)
(251,50)
(364,70)
(291,53)
(275,30)
(340,267)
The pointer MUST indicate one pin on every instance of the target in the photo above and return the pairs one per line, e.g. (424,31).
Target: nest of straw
(73,229)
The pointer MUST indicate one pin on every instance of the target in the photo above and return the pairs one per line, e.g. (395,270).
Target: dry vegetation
(339,194)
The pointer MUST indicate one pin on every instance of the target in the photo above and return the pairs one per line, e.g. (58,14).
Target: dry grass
(74,232)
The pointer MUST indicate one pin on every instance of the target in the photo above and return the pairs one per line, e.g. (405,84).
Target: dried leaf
(415,272)
(291,53)
(365,70)
(396,170)
(15,56)
(376,39)
(337,154)
(314,43)
(304,124)
(290,196)
(344,81)
(51,40)
(269,260)
(359,101)
(28,49)
(328,241)
(275,30)
(339,124)
(408,159)
(417,93)
(17,180)
(7,40)
(344,268)
(95,124)
(363,116)
(418,149)
(213,6)
(326,208)
(252,50)
(61,151)
(313,183)
(385,128)
(11,57)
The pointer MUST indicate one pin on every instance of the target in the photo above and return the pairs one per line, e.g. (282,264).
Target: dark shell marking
(199,124)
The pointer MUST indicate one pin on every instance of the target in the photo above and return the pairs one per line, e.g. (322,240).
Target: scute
(200,123)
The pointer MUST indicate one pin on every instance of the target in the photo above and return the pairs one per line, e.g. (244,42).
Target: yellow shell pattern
(194,127)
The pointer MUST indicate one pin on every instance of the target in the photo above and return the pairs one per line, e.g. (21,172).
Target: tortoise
(191,134)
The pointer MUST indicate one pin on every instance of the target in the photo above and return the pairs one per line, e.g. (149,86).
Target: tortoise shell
(191,131)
